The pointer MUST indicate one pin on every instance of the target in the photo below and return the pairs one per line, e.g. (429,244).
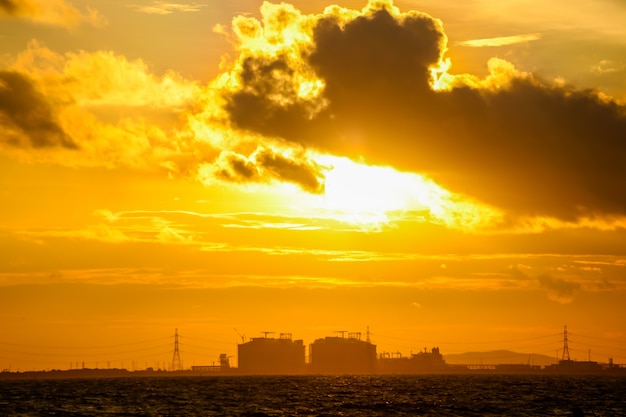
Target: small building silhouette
(571,367)
(224,365)
(268,355)
(343,355)
(421,362)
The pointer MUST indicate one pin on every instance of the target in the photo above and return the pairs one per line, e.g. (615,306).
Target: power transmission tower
(565,355)
(177,364)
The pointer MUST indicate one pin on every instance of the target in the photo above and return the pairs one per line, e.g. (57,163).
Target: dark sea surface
(443,395)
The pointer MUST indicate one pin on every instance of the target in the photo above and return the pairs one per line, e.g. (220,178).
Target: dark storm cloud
(537,149)
(562,289)
(269,164)
(26,112)
(373,69)
(375,56)
(265,80)
(528,147)
(304,173)
(9,6)
(240,169)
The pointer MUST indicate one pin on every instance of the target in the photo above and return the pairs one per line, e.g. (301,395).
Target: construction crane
(343,332)
(242,336)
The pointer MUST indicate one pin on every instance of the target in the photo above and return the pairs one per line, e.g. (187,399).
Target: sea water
(441,395)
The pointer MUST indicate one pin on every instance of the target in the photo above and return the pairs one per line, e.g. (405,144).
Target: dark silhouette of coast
(330,356)
(347,354)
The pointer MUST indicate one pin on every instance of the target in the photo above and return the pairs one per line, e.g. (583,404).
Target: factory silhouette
(347,353)
(331,355)
(343,354)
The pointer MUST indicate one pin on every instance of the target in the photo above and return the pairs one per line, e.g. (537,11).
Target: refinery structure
(345,353)
(348,353)
(269,355)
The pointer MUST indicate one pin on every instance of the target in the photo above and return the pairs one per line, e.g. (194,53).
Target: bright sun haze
(359,193)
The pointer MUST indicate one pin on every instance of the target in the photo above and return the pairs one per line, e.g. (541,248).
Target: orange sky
(448,175)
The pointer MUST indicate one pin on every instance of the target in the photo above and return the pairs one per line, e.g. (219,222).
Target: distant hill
(498,357)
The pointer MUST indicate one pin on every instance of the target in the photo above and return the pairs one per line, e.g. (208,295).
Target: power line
(208,341)
(84,347)
(111,354)
(469,343)
(600,338)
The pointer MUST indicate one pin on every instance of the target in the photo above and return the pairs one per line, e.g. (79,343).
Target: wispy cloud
(559,289)
(185,279)
(606,66)
(165,8)
(500,40)
(51,12)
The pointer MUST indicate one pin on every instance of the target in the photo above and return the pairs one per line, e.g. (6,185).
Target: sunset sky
(450,174)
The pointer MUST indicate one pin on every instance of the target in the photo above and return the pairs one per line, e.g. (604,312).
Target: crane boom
(242,336)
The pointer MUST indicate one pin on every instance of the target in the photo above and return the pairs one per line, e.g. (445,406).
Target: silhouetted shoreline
(569,369)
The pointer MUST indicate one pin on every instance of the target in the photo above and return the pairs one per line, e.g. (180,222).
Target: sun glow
(441,79)
(358,187)
(372,196)
(364,196)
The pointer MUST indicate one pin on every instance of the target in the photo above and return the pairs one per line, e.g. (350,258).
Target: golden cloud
(165,8)
(500,40)
(373,84)
(385,93)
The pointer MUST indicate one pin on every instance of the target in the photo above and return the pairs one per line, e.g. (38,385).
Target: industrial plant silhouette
(345,353)
(330,355)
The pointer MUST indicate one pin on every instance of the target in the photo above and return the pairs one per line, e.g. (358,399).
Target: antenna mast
(177,364)
(565,356)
